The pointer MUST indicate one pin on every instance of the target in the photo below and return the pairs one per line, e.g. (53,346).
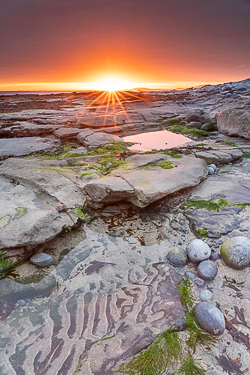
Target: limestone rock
(198,251)
(25,145)
(210,318)
(235,122)
(144,186)
(94,140)
(236,252)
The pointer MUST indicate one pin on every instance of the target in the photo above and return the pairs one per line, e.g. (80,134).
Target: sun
(112,83)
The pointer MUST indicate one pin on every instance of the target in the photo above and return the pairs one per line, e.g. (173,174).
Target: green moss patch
(247,155)
(202,233)
(212,205)
(21,211)
(78,212)
(5,265)
(229,143)
(5,221)
(185,129)
(162,164)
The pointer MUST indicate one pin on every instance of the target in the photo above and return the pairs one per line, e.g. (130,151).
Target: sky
(73,44)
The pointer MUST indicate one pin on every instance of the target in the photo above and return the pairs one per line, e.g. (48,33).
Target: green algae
(162,164)
(229,143)
(185,129)
(5,221)
(78,212)
(202,233)
(5,265)
(212,205)
(21,211)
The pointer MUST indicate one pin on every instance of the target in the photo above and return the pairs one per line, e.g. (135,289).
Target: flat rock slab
(216,223)
(26,129)
(94,140)
(103,311)
(25,145)
(36,201)
(220,155)
(144,186)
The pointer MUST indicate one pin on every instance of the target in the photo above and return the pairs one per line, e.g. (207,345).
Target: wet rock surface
(106,297)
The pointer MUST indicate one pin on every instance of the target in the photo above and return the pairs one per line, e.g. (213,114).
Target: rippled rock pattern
(87,322)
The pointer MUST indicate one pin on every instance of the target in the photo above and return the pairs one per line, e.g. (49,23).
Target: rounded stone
(199,282)
(207,270)
(42,259)
(236,252)
(210,170)
(21,302)
(210,318)
(177,257)
(213,166)
(198,251)
(215,256)
(206,295)
(191,275)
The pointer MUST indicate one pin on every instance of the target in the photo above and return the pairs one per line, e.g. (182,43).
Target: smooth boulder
(207,270)
(235,122)
(198,251)
(236,252)
(177,257)
(210,318)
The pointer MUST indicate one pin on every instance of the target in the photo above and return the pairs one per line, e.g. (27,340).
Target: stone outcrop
(145,186)
(36,200)
(25,145)
(235,122)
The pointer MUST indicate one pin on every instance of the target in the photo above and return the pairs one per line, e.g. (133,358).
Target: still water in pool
(158,140)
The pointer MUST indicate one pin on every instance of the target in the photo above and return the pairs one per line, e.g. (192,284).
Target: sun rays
(110,104)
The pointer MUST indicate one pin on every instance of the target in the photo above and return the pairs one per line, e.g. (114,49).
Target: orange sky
(68,44)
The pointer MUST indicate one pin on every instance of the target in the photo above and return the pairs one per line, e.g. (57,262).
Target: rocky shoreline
(107,220)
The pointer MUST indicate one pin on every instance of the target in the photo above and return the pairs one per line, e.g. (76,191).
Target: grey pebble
(21,302)
(206,295)
(215,256)
(213,166)
(207,270)
(191,275)
(198,250)
(42,259)
(199,282)
(210,170)
(177,257)
(210,318)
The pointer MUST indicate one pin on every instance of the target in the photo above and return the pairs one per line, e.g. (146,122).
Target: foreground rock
(102,311)
(144,186)
(36,202)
